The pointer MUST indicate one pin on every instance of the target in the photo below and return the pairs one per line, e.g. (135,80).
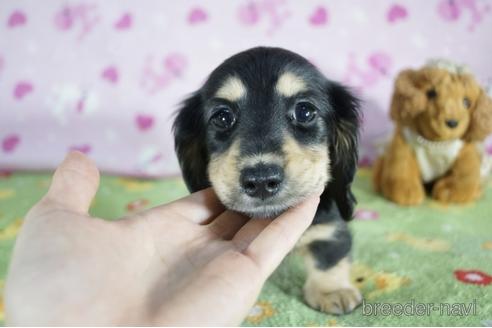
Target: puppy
(266,130)
(441,115)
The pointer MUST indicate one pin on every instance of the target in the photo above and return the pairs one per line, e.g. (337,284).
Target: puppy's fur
(424,102)
(264,93)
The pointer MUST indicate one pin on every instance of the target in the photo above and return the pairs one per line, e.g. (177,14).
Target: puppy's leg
(328,287)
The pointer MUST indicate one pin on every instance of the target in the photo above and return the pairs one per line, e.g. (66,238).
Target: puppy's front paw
(337,302)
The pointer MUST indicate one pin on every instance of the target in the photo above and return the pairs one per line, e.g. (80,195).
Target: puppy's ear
(343,148)
(189,142)
(480,119)
(408,99)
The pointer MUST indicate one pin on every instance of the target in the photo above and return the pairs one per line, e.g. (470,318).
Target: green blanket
(404,258)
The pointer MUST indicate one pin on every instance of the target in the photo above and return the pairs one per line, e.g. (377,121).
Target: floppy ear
(480,119)
(343,149)
(407,100)
(189,143)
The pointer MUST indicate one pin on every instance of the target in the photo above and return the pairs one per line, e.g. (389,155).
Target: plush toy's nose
(262,181)
(452,123)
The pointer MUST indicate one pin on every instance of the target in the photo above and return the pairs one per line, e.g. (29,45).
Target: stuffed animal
(441,117)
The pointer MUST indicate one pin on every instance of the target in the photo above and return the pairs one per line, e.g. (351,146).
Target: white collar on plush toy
(414,137)
(434,158)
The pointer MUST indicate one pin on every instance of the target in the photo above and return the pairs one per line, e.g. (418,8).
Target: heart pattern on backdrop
(124,22)
(197,15)
(144,122)
(17,18)
(22,89)
(396,13)
(10,143)
(110,74)
(106,77)
(319,16)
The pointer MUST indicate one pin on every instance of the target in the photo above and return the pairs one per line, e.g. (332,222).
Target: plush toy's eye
(431,93)
(223,118)
(304,112)
(466,102)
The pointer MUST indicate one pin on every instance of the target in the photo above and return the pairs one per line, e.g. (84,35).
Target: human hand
(189,262)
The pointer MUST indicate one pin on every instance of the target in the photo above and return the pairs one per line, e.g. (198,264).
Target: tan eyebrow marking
(289,84)
(232,89)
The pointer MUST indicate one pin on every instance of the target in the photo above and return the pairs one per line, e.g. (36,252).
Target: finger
(281,235)
(249,232)
(252,229)
(200,207)
(227,224)
(74,184)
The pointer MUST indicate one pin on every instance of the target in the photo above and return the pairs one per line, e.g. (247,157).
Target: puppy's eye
(466,102)
(304,112)
(223,118)
(431,93)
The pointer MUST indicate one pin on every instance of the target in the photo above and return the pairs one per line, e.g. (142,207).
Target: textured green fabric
(424,254)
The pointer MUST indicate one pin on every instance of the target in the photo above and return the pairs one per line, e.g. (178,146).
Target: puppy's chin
(263,212)
(261,209)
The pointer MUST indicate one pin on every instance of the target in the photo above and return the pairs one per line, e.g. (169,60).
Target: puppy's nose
(262,181)
(452,123)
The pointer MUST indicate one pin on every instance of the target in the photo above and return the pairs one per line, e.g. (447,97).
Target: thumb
(74,183)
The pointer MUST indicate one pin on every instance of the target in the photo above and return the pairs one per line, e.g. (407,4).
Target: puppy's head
(442,105)
(266,130)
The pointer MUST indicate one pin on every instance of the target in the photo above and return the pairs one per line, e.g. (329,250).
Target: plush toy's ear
(343,149)
(189,142)
(480,119)
(408,99)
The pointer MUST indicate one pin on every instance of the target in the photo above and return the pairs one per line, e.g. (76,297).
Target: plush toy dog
(442,115)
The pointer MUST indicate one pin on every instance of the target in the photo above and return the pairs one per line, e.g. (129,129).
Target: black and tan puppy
(266,130)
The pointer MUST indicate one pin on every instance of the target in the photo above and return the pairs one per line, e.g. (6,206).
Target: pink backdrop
(104,77)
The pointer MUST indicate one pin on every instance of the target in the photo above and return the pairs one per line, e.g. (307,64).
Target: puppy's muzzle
(262,181)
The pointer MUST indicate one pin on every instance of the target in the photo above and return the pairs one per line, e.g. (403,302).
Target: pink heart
(319,16)
(10,142)
(22,89)
(396,12)
(17,18)
(197,15)
(124,22)
(110,74)
(85,148)
(144,122)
